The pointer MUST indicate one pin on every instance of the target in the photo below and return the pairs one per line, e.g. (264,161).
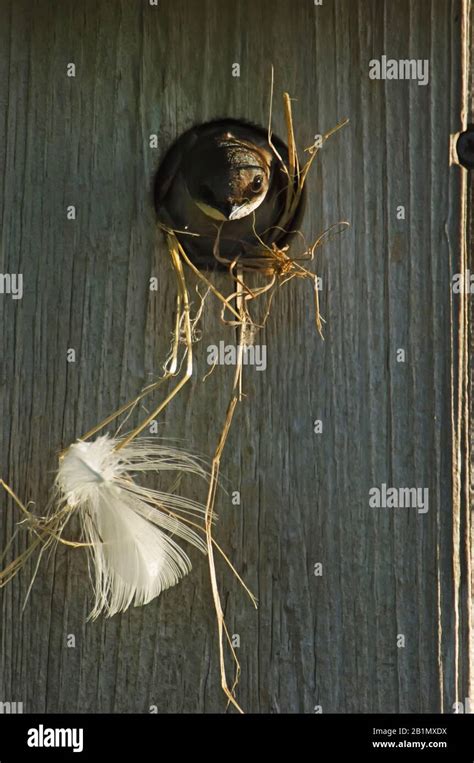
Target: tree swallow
(223,179)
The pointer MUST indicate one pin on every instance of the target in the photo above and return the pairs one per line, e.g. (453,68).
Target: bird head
(227,177)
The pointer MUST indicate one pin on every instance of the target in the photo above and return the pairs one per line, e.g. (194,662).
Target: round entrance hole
(223,189)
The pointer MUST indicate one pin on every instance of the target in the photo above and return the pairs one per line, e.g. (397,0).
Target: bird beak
(230,211)
(225,212)
(236,211)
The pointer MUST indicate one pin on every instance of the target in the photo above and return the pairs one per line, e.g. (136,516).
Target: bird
(222,181)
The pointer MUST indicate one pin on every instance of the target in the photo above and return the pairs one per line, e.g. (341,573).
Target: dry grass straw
(276,268)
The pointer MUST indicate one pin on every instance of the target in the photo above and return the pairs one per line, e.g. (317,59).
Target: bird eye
(257,183)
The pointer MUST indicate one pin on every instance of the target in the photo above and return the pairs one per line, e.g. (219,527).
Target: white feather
(133,556)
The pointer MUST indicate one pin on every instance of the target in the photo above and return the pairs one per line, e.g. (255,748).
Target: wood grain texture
(328,640)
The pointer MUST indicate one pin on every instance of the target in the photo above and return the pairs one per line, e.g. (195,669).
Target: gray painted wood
(329,640)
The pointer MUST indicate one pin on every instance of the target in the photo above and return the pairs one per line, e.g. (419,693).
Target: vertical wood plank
(329,640)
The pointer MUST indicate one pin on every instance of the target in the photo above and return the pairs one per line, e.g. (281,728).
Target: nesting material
(129,528)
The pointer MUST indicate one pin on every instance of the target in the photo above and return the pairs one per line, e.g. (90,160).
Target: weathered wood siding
(327,640)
